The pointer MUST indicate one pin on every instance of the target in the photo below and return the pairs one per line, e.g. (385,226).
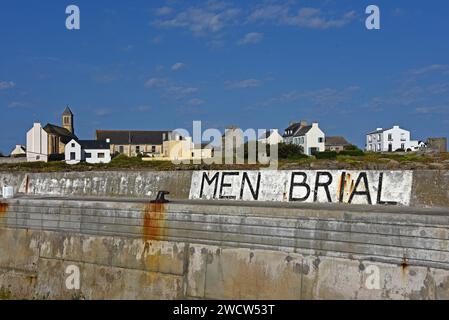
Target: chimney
(379,129)
(303,123)
(292,123)
(314,124)
(108,140)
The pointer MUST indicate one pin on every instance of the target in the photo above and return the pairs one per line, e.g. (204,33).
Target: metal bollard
(160,198)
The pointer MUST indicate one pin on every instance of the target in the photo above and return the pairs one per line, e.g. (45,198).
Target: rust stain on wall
(3,208)
(154,221)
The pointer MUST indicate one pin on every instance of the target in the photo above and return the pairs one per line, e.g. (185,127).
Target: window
(370,138)
(73,145)
(320,140)
(378,137)
(72,155)
(137,149)
(88,155)
(121,149)
(378,147)
(390,137)
(66,120)
(153,149)
(101,155)
(402,146)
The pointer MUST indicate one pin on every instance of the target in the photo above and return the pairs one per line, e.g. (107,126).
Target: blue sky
(256,64)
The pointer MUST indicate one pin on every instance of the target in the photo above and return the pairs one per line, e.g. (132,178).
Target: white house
(309,137)
(271,137)
(91,151)
(37,144)
(19,151)
(389,140)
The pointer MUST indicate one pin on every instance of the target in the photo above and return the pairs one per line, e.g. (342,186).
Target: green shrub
(353,153)
(290,151)
(351,147)
(326,155)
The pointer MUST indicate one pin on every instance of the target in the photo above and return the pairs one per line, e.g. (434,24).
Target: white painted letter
(373,20)
(372,281)
(72,282)
(73,20)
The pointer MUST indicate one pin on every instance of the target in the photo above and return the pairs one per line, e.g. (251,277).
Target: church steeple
(67,120)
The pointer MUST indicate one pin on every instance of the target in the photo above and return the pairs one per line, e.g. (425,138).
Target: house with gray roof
(309,137)
(134,142)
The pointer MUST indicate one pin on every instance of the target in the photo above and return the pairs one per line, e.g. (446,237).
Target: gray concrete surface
(429,187)
(220,250)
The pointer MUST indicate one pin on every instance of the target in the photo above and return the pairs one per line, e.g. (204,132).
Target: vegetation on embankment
(287,161)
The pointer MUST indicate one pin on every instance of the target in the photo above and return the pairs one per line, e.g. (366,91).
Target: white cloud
(181,90)
(17,104)
(178,66)
(162,11)
(244,84)
(251,38)
(103,112)
(4,85)
(155,83)
(305,17)
(202,20)
(431,69)
(196,102)
(143,108)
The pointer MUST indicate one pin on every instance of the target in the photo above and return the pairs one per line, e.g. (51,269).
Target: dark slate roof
(67,112)
(302,131)
(293,127)
(377,131)
(132,137)
(336,141)
(65,134)
(94,144)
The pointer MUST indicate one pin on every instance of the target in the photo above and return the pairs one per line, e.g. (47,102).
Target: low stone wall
(7,160)
(132,250)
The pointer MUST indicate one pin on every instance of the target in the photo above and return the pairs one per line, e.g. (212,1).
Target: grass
(136,163)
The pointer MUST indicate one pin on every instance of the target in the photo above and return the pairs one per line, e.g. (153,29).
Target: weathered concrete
(98,183)
(220,250)
(429,188)
(312,186)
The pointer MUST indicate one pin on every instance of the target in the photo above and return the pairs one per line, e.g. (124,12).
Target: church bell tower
(67,120)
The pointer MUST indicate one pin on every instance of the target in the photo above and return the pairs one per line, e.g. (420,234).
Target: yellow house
(183,149)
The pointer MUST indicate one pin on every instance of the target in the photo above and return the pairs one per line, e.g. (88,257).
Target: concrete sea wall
(215,250)
(429,188)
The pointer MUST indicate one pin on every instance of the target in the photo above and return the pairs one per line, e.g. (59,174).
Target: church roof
(67,112)
(65,134)
(133,137)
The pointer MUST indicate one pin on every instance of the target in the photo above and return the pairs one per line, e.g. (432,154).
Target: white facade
(18,151)
(37,144)
(310,138)
(97,155)
(75,152)
(273,138)
(390,140)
